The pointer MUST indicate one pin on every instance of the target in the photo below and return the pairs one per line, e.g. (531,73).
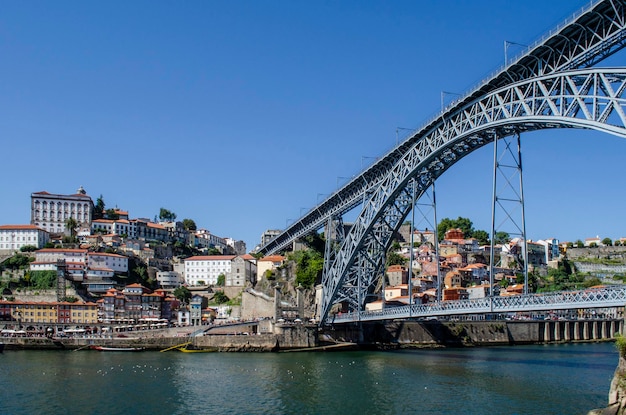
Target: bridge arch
(587,99)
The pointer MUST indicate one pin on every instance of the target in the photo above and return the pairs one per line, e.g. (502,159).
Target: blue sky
(241,115)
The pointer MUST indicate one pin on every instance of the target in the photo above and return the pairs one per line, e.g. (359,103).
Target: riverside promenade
(238,337)
(381,335)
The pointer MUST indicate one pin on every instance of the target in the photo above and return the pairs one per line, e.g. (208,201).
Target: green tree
(189,224)
(43,280)
(579,244)
(71,225)
(140,272)
(607,242)
(18,261)
(28,248)
(221,280)
(394,258)
(395,246)
(98,209)
(462,223)
(315,241)
(502,238)
(182,294)
(166,215)
(220,297)
(112,214)
(481,236)
(309,265)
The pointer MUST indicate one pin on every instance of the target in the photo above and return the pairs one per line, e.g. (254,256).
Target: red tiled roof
(273,258)
(211,258)
(19,227)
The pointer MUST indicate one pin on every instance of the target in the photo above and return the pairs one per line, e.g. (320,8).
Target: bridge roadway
(613,296)
(585,39)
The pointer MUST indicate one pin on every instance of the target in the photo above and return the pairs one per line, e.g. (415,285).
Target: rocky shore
(617,392)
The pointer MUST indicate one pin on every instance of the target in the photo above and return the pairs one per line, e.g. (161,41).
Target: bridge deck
(562,300)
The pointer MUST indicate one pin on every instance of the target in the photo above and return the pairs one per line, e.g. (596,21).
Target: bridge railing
(614,296)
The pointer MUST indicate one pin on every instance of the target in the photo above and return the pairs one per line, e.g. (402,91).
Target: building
(268,265)
(205,270)
(242,270)
(397,274)
(116,227)
(117,263)
(28,312)
(268,235)
(14,237)
(135,304)
(169,279)
(196,305)
(75,260)
(51,211)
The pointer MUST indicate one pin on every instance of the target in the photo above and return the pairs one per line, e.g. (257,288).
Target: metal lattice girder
(565,300)
(582,41)
(589,99)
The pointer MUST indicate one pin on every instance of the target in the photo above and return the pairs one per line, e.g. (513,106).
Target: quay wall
(435,333)
(283,338)
(395,334)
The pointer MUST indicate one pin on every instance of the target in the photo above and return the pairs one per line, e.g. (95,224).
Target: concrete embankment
(380,335)
(283,338)
(433,333)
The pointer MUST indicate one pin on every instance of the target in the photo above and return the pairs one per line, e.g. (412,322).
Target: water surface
(550,379)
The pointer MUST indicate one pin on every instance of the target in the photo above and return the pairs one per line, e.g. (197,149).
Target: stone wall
(256,306)
(433,333)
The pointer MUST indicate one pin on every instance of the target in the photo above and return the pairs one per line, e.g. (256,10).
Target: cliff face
(617,393)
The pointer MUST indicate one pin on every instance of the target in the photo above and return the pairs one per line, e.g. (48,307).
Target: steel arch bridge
(543,88)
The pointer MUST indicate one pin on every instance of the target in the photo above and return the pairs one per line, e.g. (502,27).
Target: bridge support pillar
(566,332)
(594,330)
(576,330)
(557,331)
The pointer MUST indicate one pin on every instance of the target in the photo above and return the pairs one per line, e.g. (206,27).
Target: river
(546,379)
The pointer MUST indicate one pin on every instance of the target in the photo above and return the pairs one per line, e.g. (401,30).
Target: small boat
(188,350)
(117,349)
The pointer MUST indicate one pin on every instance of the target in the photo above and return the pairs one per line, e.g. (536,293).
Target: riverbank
(375,335)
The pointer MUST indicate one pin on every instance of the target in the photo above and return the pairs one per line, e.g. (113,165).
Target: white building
(117,227)
(117,263)
(169,279)
(14,237)
(75,261)
(207,268)
(50,211)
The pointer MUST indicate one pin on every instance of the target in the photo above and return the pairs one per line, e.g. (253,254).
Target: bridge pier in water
(587,330)
(434,333)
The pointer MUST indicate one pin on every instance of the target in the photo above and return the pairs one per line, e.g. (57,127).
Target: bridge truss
(566,300)
(538,90)
(590,98)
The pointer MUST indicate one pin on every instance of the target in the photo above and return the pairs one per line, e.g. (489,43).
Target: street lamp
(366,158)
(339,178)
(403,129)
(444,93)
(508,43)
